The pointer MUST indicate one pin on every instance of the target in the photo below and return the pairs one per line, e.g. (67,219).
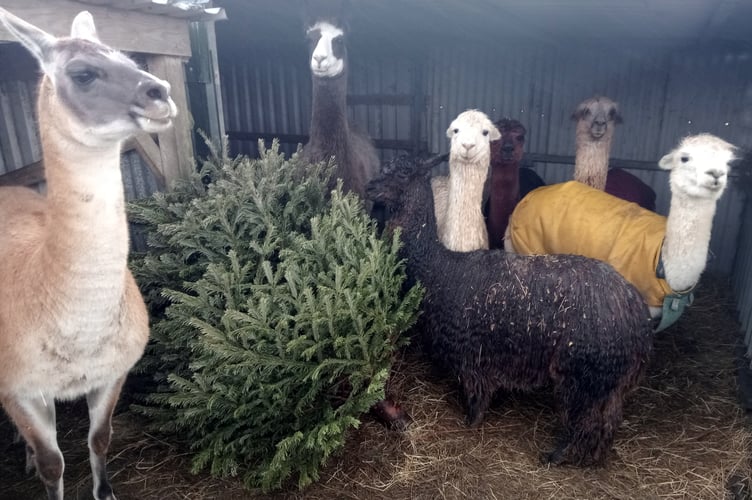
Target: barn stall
(676,68)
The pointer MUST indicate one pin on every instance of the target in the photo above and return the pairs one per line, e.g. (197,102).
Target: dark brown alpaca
(496,321)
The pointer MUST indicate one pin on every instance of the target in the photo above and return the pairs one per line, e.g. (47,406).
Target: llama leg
(35,420)
(101,403)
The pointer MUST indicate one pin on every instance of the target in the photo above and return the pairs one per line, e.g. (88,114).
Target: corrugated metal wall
(664,95)
(19,139)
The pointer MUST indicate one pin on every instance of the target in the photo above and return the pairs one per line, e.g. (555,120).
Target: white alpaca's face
(699,166)
(471,134)
(597,116)
(328,49)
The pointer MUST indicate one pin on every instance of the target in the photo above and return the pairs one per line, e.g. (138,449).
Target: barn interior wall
(664,94)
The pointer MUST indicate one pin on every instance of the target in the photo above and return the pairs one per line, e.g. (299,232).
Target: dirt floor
(684,437)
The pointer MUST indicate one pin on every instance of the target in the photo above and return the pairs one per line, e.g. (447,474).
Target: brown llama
(508,182)
(72,320)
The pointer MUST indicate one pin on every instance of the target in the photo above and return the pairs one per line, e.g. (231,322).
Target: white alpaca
(459,196)
(596,119)
(572,218)
(72,320)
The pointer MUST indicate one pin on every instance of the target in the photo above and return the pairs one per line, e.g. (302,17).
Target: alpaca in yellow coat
(660,255)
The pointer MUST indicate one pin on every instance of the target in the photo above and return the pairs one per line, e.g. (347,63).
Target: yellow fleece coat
(573,218)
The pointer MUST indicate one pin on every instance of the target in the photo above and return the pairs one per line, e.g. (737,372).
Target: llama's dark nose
(319,59)
(152,89)
(508,147)
(599,123)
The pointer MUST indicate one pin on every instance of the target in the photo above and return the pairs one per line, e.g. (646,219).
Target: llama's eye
(522,138)
(684,158)
(84,77)
(485,132)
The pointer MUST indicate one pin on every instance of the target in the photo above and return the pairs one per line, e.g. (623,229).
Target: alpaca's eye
(684,159)
(84,77)
(456,131)
(485,132)
(521,138)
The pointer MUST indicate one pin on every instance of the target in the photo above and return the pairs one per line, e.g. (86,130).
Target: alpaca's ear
(450,131)
(38,42)
(614,115)
(494,134)
(577,114)
(83,27)
(667,162)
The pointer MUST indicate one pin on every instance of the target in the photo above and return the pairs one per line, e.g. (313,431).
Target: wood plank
(127,30)
(25,176)
(145,146)
(176,144)
(569,160)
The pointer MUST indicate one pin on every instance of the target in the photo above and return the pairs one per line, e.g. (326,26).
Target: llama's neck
(464,228)
(87,232)
(329,113)
(505,192)
(591,160)
(685,248)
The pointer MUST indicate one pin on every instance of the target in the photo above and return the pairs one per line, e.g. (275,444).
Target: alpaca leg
(35,420)
(101,403)
(477,401)
(589,425)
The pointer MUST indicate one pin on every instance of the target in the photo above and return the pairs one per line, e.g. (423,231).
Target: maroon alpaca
(504,189)
(626,186)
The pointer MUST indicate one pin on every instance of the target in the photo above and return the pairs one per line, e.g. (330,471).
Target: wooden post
(176,144)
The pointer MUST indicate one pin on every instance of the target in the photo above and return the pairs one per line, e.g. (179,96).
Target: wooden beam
(175,144)
(529,158)
(407,145)
(25,176)
(126,30)
(381,99)
(145,146)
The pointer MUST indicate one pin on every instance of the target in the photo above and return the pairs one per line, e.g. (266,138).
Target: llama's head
(471,134)
(508,149)
(326,29)
(596,118)
(103,96)
(699,166)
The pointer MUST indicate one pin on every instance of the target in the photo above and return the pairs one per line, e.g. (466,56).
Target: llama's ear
(38,42)
(494,134)
(83,27)
(667,162)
